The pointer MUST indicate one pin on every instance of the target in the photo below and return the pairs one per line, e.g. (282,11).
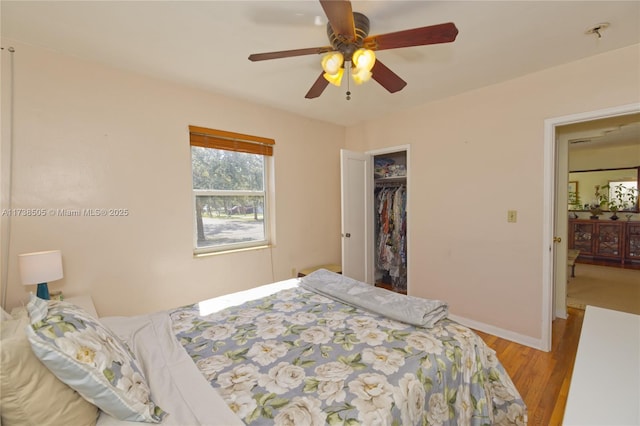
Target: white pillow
(89,358)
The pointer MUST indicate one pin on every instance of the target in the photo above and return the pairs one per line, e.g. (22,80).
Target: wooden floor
(542,378)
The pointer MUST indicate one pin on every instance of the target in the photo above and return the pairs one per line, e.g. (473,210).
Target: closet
(374,217)
(390,221)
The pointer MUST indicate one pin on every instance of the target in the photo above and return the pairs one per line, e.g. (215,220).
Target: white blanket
(407,309)
(176,385)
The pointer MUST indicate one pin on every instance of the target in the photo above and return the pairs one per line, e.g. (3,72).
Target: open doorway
(603,159)
(556,213)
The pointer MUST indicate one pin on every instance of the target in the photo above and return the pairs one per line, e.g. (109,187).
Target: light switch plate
(512,216)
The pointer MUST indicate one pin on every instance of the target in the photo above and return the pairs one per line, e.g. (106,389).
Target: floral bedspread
(299,358)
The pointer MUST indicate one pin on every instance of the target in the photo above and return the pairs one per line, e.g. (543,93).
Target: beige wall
(87,136)
(477,155)
(605,158)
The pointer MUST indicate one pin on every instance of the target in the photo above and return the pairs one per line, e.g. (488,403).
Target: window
(623,194)
(230,181)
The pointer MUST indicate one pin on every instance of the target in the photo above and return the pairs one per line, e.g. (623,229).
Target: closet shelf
(391,179)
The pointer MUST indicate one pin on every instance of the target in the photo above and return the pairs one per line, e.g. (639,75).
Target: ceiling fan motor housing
(345,46)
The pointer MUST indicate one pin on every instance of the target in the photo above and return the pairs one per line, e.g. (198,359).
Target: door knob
(557,239)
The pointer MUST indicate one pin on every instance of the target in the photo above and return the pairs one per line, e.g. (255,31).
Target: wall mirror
(619,187)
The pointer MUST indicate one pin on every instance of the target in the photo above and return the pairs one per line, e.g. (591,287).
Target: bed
(322,349)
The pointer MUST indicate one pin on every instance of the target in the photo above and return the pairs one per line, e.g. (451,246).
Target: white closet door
(355,171)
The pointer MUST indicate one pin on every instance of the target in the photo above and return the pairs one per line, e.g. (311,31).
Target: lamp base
(43,291)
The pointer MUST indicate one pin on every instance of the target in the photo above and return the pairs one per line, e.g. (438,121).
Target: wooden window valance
(221,139)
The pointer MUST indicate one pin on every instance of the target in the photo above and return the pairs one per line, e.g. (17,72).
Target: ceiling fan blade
(340,16)
(387,78)
(290,53)
(318,87)
(434,34)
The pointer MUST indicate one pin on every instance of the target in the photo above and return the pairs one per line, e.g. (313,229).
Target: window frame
(230,141)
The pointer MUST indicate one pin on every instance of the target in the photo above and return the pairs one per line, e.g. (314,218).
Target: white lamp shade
(40,267)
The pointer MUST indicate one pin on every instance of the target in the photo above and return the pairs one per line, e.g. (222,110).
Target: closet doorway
(375,202)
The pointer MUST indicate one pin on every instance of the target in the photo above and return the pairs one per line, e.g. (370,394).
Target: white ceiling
(205,44)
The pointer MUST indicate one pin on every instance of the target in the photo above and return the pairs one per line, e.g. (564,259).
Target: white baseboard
(499,332)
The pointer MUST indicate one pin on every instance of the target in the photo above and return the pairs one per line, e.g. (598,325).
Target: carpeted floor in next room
(606,287)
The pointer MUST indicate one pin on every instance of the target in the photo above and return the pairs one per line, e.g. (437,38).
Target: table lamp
(40,268)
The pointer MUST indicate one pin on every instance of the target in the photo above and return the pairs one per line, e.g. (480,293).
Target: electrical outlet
(512,216)
(293,272)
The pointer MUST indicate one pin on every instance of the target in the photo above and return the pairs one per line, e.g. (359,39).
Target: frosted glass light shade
(40,267)
(332,62)
(363,59)
(336,78)
(360,76)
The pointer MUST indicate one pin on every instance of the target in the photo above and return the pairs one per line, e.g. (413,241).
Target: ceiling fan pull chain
(348,85)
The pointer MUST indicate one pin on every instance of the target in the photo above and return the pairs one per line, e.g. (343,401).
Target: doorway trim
(549,207)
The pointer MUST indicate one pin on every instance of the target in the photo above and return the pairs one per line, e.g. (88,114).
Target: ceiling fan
(348,34)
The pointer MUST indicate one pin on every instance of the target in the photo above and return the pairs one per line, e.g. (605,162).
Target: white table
(85,302)
(605,385)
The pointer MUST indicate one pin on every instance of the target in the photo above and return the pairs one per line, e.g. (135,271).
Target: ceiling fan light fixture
(332,62)
(335,78)
(360,76)
(363,59)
